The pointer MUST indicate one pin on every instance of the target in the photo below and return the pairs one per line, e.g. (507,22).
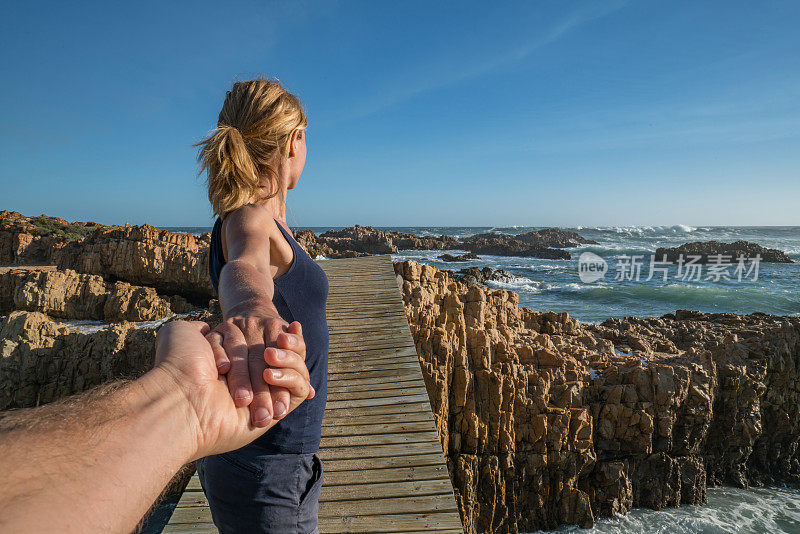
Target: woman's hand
(239,344)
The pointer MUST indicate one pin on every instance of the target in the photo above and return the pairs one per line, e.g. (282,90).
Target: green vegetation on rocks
(50,226)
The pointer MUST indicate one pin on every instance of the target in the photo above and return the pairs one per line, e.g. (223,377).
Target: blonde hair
(253,132)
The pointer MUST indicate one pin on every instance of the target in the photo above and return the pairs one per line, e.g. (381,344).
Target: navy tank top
(300,295)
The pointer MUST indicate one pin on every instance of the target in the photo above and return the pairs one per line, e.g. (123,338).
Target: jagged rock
(546,237)
(460,257)
(704,249)
(357,241)
(366,239)
(545,421)
(544,243)
(315,247)
(42,361)
(70,295)
(475,275)
(144,255)
(505,245)
(23,243)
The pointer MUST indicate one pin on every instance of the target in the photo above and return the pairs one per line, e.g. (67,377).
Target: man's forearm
(243,287)
(107,447)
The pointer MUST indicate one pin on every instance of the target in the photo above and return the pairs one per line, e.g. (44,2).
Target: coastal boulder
(707,250)
(71,295)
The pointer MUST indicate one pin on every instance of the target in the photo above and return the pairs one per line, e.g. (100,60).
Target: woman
(265,281)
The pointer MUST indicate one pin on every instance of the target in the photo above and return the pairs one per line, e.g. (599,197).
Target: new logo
(591,267)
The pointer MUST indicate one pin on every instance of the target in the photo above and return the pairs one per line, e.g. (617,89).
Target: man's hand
(187,357)
(62,463)
(239,345)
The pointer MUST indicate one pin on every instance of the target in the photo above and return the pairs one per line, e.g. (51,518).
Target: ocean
(555,285)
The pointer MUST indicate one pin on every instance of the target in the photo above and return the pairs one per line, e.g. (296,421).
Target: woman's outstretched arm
(251,321)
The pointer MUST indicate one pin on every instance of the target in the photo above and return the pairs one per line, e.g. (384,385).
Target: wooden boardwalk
(383,463)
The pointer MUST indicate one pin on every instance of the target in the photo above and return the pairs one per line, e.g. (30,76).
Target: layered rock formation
(545,421)
(545,243)
(22,241)
(70,295)
(546,237)
(359,240)
(709,249)
(175,264)
(42,361)
(144,255)
(315,246)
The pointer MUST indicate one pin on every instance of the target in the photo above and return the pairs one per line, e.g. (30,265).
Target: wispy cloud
(469,69)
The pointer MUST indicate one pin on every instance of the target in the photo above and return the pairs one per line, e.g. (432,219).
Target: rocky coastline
(544,421)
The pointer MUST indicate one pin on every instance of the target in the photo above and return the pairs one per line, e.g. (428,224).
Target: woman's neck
(277,206)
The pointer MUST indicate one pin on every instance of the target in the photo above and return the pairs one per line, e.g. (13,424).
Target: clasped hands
(239,379)
(250,349)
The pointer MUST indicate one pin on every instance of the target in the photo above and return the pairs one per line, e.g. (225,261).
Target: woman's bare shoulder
(250,218)
(251,223)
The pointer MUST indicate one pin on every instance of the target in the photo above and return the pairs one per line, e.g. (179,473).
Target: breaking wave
(729,510)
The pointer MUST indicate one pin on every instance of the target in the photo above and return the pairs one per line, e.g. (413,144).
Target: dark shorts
(262,493)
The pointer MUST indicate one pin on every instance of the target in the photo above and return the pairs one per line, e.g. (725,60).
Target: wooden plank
(350,369)
(381,401)
(355,358)
(358,411)
(379,451)
(411,460)
(331,432)
(398,505)
(374,476)
(341,386)
(348,508)
(361,313)
(408,407)
(386,373)
(377,328)
(190,515)
(190,528)
(365,340)
(367,365)
(194,484)
(391,523)
(363,352)
(376,394)
(350,422)
(347,381)
(425,436)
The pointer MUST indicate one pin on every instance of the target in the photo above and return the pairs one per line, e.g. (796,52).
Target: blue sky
(421,113)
